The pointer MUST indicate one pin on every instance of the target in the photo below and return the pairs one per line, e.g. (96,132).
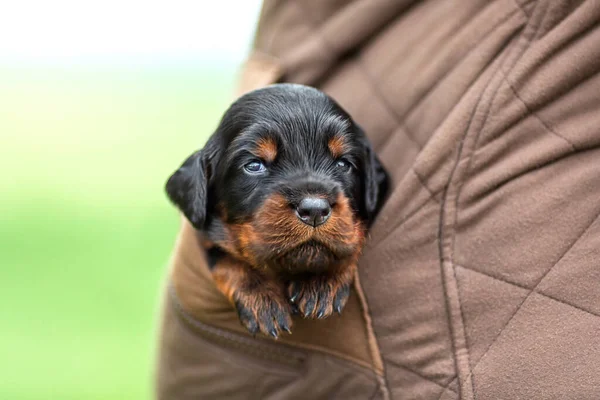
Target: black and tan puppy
(282,194)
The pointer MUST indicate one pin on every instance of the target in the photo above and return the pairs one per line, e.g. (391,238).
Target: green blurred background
(99,103)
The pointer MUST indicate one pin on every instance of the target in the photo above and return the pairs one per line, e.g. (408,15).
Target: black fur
(300,120)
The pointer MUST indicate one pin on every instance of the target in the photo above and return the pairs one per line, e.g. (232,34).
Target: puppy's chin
(309,257)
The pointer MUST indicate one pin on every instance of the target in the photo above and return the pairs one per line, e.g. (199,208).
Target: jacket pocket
(254,353)
(200,361)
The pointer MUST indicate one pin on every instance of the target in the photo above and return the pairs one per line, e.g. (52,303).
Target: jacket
(481,275)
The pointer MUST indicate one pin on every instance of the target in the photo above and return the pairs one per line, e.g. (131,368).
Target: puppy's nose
(313,211)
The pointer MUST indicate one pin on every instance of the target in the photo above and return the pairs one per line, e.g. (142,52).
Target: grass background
(85,227)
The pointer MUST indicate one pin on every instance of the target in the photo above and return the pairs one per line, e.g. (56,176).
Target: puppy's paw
(318,297)
(263,311)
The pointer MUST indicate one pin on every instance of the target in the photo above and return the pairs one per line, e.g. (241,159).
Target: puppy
(282,195)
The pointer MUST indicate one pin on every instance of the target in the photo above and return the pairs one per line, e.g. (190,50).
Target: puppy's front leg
(260,302)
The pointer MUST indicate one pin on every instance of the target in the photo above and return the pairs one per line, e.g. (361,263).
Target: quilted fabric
(482,273)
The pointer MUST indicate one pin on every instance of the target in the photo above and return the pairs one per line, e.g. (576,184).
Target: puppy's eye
(343,165)
(255,167)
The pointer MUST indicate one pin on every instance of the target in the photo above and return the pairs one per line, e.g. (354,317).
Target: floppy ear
(187,189)
(375,182)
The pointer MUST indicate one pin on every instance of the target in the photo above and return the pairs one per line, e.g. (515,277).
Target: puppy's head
(289,176)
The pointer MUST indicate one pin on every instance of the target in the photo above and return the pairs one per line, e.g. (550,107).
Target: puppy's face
(288,181)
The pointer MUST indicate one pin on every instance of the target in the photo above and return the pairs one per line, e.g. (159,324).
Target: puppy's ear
(187,189)
(374,181)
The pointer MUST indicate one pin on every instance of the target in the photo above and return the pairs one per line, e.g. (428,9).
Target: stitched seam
(462,318)
(533,113)
(538,167)
(527,288)
(375,392)
(441,235)
(383,100)
(422,182)
(371,339)
(441,227)
(459,185)
(373,344)
(493,277)
(448,388)
(420,375)
(528,40)
(442,220)
(521,6)
(443,392)
(407,217)
(534,291)
(401,119)
(516,121)
(566,303)
(530,111)
(409,112)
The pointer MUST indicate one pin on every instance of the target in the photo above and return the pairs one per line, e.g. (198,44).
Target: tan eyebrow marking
(337,146)
(266,149)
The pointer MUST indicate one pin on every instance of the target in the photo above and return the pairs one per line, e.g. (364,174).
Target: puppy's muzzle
(313,211)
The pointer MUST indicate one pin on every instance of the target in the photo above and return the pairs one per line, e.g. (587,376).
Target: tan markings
(337,146)
(228,277)
(260,302)
(275,229)
(237,281)
(266,149)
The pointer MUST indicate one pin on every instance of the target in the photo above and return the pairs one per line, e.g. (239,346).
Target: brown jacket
(481,278)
